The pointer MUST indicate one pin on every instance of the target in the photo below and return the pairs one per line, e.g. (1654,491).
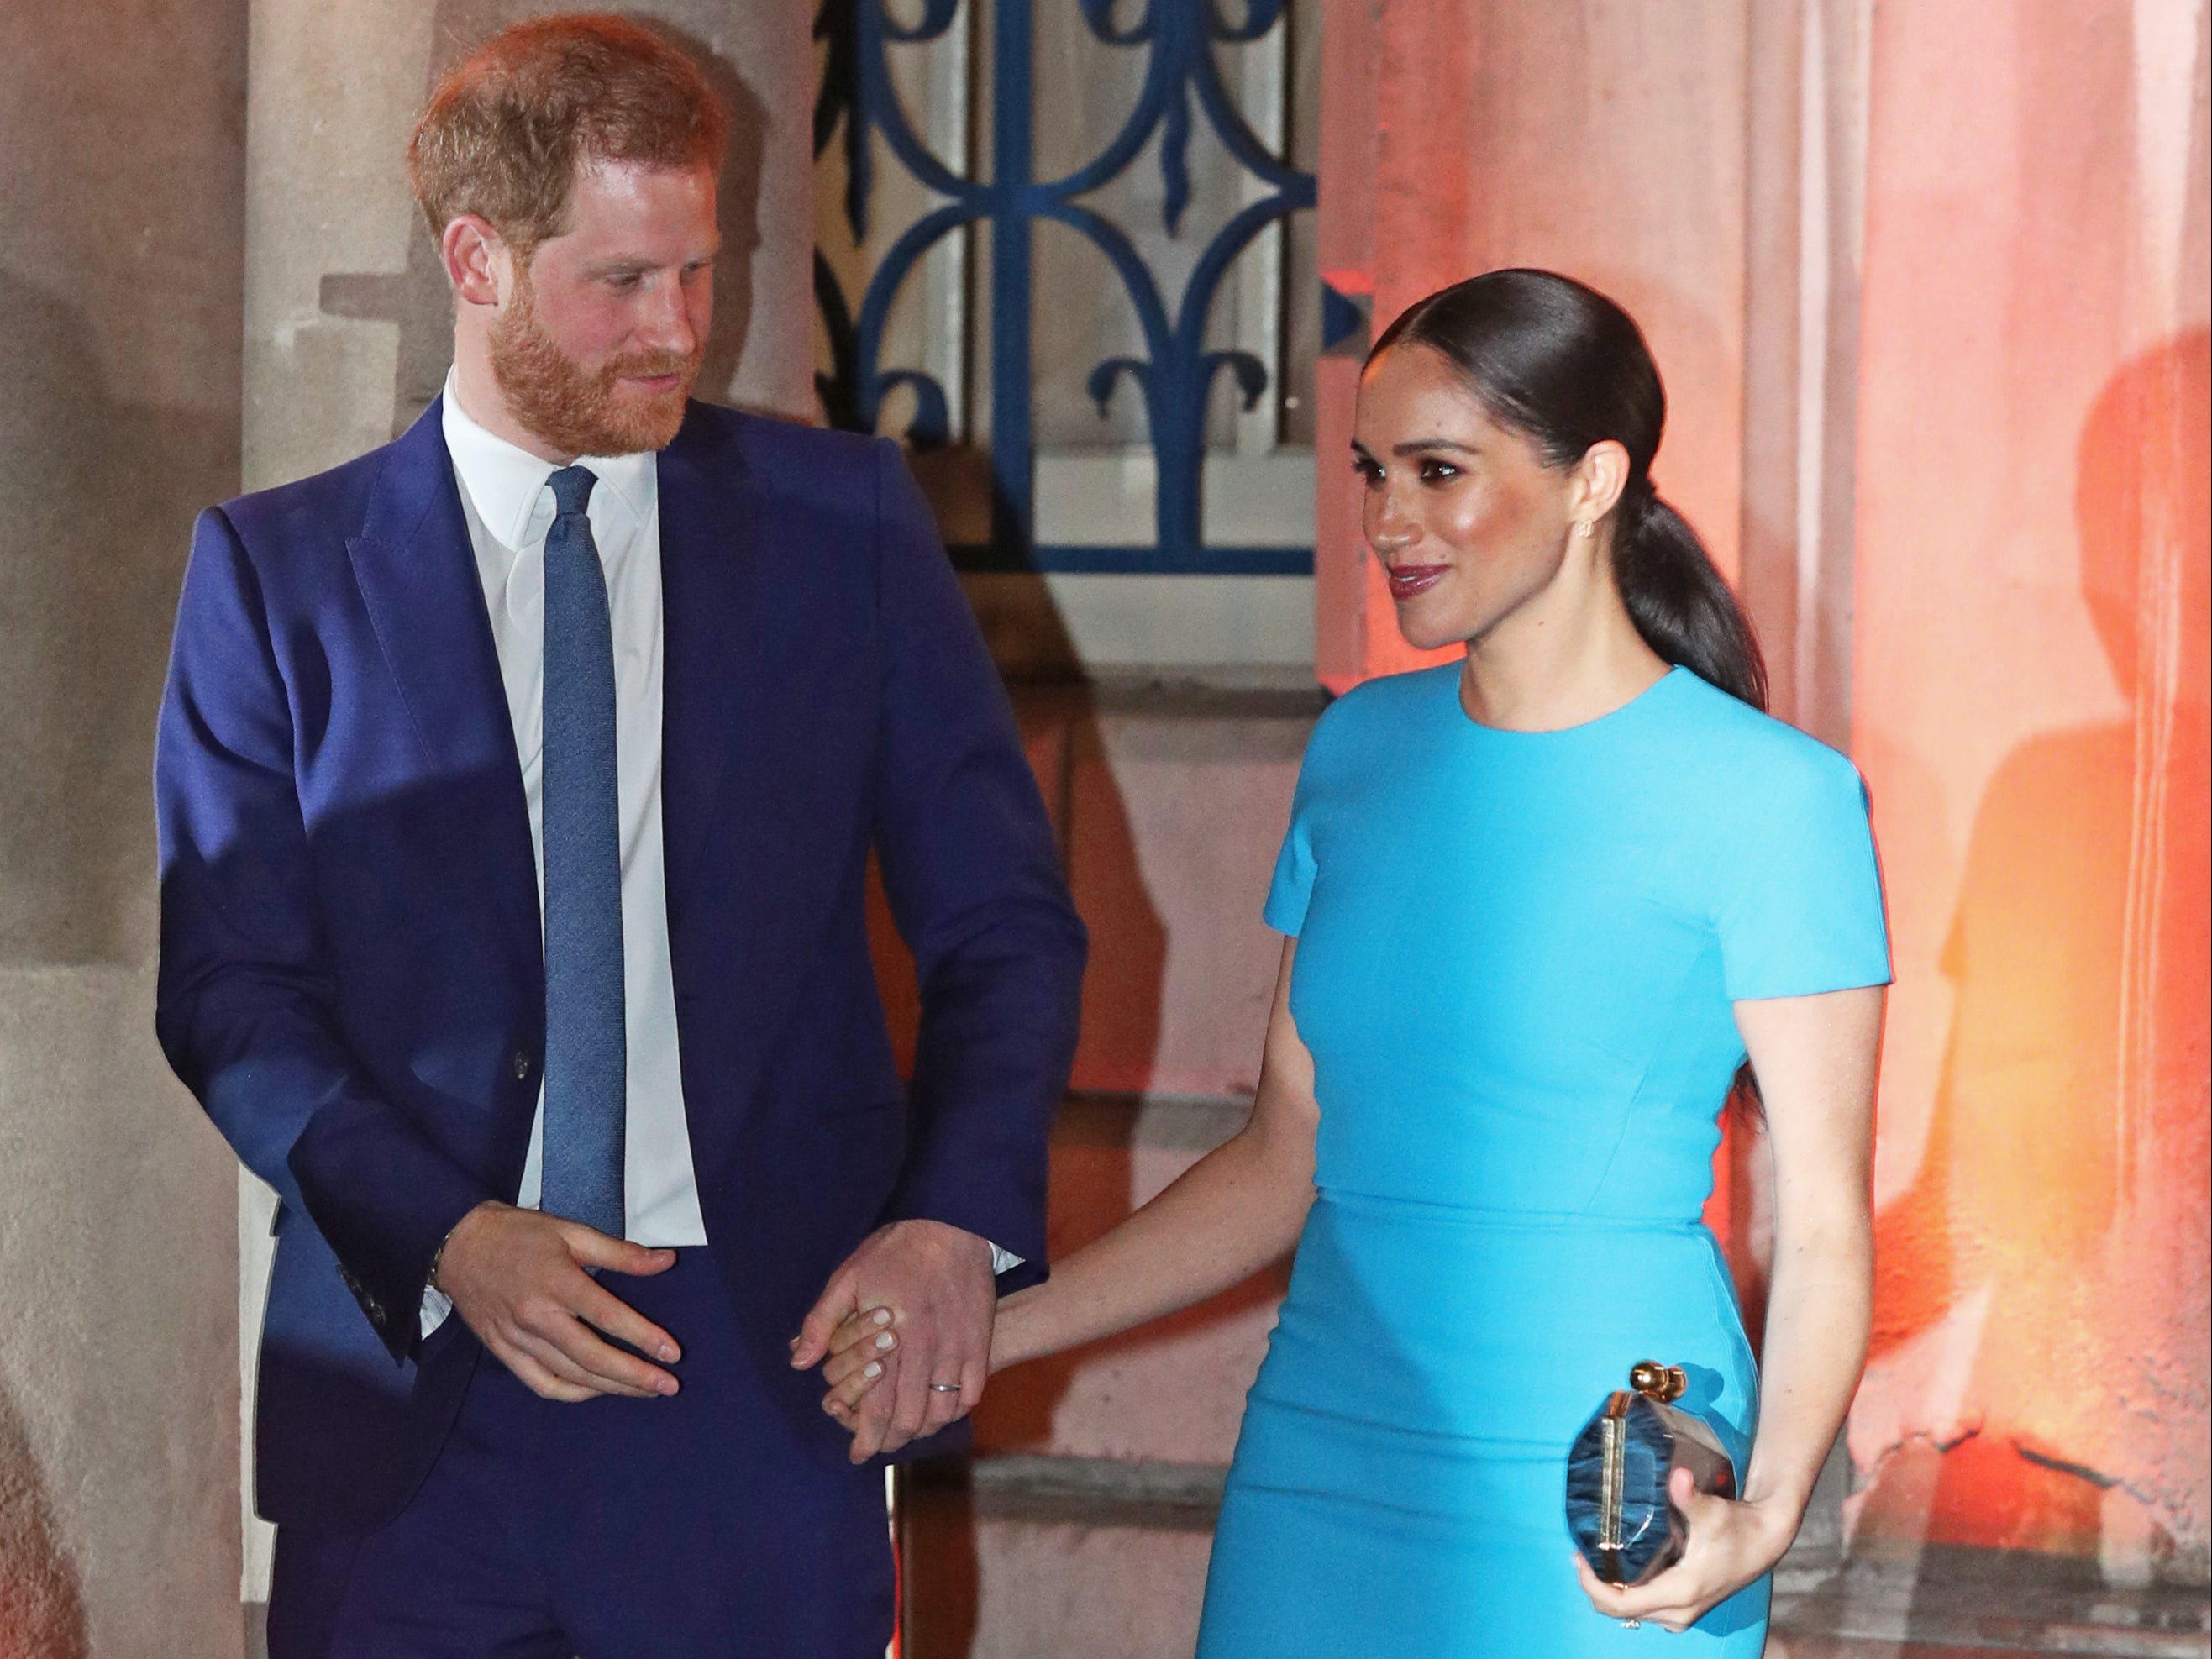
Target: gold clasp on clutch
(1664,1383)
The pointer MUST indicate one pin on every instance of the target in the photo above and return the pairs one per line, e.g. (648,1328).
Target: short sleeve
(1285,910)
(1801,908)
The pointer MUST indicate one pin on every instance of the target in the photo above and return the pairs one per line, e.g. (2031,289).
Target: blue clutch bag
(1618,1509)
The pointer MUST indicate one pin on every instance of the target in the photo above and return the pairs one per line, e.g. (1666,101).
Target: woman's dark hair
(1567,367)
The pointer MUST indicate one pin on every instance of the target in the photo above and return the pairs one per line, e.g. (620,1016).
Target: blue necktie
(586,1048)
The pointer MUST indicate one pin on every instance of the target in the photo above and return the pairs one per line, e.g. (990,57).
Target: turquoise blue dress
(1517,953)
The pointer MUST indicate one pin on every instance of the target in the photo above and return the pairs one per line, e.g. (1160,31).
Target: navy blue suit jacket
(351,976)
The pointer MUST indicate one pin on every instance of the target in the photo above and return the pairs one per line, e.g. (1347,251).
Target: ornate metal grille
(1176,374)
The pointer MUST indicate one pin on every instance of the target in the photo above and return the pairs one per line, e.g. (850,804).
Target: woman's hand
(1730,1545)
(862,1350)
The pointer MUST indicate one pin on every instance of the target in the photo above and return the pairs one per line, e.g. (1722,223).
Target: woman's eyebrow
(1416,446)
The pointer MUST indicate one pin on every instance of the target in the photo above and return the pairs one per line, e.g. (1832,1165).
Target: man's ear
(478,262)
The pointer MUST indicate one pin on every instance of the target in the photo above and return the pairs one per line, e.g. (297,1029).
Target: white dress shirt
(509,507)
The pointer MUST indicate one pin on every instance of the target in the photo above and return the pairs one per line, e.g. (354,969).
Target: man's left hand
(936,1281)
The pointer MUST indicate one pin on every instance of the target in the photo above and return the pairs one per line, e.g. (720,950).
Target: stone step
(1944,1598)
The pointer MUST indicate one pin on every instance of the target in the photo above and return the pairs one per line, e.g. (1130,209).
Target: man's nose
(666,324)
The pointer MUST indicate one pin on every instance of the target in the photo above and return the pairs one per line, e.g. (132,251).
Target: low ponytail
(1679,601)
(1559,362)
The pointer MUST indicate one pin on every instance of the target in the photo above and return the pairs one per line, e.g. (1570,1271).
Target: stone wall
(121,168)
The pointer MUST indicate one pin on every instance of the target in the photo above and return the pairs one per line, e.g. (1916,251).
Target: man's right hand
(517,1278)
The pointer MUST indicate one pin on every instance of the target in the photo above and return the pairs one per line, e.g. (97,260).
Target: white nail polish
(871,1368)
(883,1316)
(886,1340)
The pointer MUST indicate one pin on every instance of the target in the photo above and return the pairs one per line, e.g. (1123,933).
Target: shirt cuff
(436,1304)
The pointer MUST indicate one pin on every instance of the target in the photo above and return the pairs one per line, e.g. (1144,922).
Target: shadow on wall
(41,1609)
(1122,984)
(419,300)
(2053,1244)
(1058,715)
(98,500)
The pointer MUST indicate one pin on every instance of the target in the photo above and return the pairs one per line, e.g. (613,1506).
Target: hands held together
(903,1334)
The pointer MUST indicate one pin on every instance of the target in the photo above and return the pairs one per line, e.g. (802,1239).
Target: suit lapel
(418,579)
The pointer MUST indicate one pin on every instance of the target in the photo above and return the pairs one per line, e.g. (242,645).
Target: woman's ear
(1601,477)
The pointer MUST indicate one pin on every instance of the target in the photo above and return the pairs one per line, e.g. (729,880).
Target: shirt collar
(506,483)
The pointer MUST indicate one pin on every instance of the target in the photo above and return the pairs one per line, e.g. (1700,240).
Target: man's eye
(624,280)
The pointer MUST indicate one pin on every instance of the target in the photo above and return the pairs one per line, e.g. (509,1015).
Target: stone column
(121,171)
(348,327)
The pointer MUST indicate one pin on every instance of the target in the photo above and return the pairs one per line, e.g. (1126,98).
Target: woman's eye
(1434,472)
(1371,471)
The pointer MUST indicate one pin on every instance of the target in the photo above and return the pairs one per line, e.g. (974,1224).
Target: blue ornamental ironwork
(1176,374)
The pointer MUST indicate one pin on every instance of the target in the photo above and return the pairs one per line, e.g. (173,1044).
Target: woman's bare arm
(1821,1053)
(1229,1214)
(1815,1059)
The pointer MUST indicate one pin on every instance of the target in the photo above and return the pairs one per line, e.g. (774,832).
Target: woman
(1539,906)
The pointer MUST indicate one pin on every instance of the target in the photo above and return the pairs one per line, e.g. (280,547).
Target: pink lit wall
(1929,284)
(2030,692)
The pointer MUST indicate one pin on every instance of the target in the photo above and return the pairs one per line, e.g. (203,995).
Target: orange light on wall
(2030,696)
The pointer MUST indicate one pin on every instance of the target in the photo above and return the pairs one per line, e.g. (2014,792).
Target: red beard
(574,408)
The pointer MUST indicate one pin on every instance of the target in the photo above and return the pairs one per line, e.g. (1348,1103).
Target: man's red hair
(509,127)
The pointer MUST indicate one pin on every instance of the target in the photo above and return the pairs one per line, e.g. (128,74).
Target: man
(516,785)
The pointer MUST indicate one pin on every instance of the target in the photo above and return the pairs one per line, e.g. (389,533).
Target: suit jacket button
(521,1065)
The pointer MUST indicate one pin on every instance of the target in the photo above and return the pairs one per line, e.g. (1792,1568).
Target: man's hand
(936,1281)
(517,1278)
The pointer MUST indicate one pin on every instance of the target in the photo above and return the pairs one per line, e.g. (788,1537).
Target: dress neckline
(1449,675)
